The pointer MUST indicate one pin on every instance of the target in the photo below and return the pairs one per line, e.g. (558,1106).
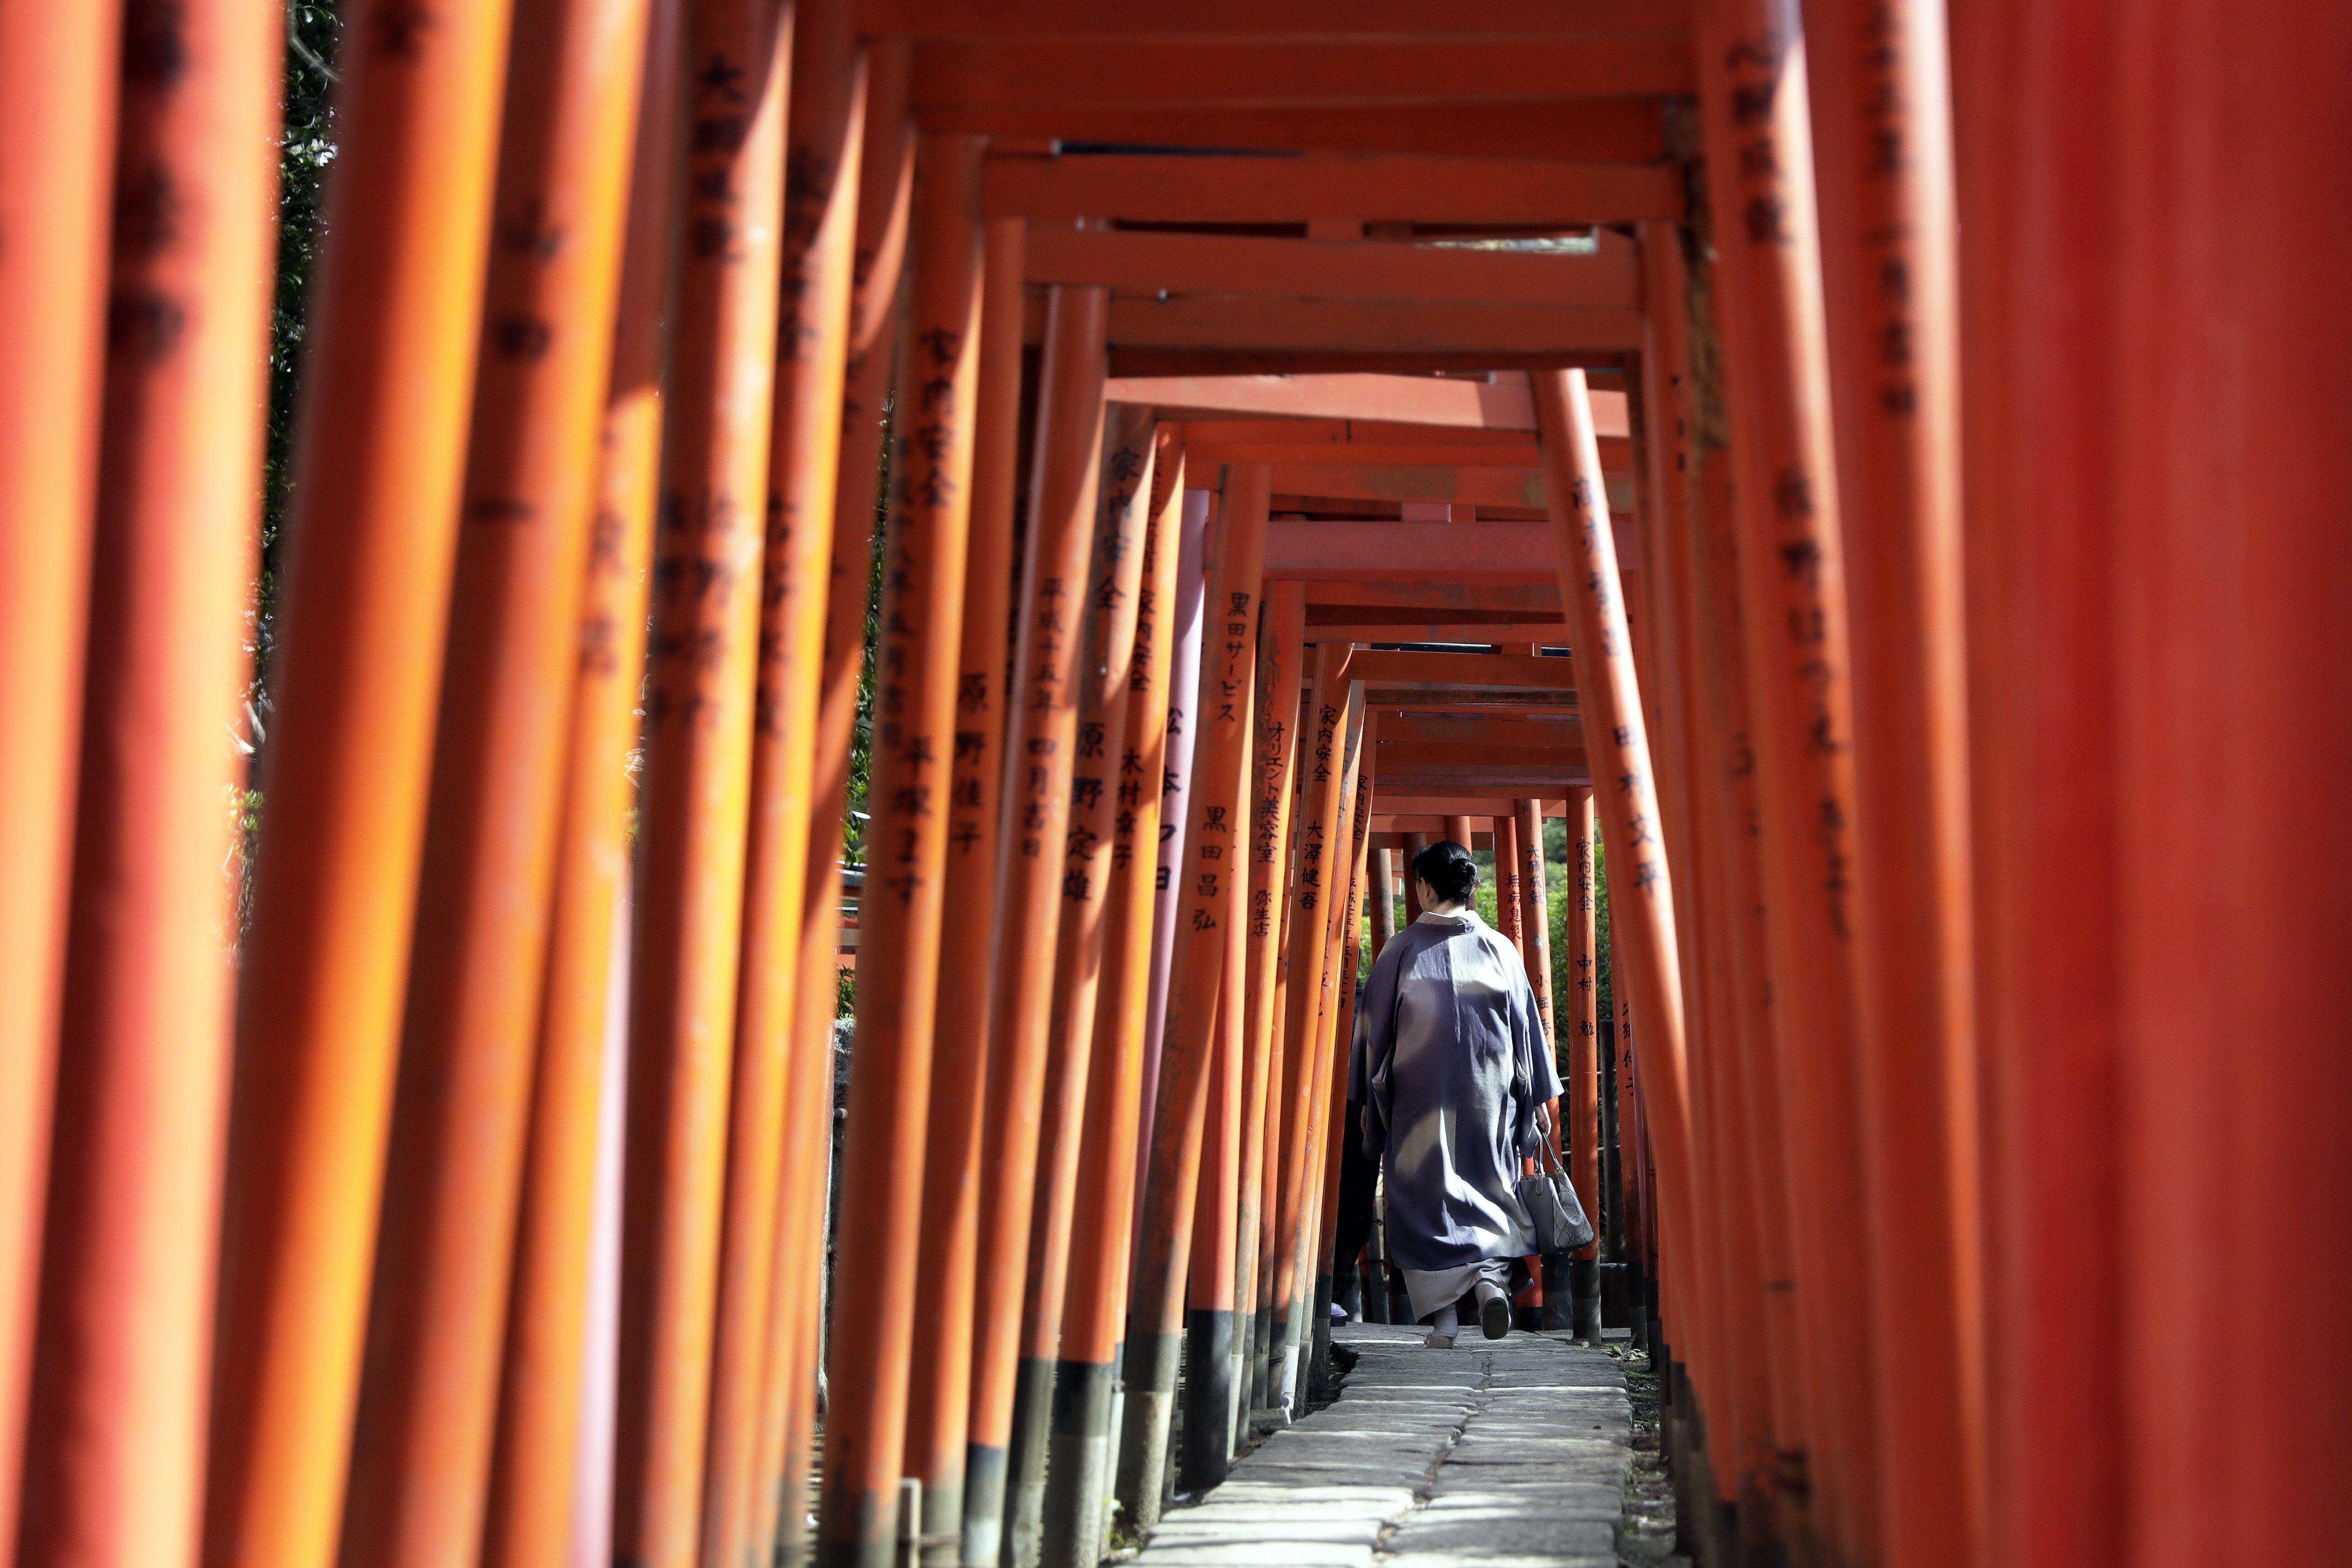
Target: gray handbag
(1553,1213)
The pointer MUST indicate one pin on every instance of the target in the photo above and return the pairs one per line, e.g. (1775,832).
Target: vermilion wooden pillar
(1534,912)
(916,661)
(1413,845)
(115,1454)
(939,1415)
(388,383)
(695,803)
(1641,906)
(1313,887)
(1276,731)
(1176,778)
(1580,1040)
(1882,120)
(1339,1022)
(1043,727)
(1111,587)
(885,186)
(824,137)
(1205,1448)
(2236,890)
(428,1400)
(59,70)
(1212,851)
(1508,915)
(534,1472)
(1768,295)
(1078,1467)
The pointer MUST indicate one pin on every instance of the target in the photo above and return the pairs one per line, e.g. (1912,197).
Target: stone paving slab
(1508,1453)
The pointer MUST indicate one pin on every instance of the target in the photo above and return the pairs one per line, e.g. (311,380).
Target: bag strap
(1549,1159)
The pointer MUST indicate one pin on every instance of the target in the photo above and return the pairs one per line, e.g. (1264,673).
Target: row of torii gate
(1988,1014)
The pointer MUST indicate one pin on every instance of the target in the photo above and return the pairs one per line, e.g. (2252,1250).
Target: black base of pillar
(1078,1471)
(1208,1447)
(982,1524)
(941,1524)
(1319,1367)
(859,1531)
(1149,1374)
(1583,1299)
(1024,1504)
(1260,1344)
(1558,1315)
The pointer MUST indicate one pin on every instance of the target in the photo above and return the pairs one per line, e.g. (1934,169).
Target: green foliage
(306,148)
(861,742)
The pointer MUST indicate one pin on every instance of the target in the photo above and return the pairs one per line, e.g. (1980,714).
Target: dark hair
(1448,869)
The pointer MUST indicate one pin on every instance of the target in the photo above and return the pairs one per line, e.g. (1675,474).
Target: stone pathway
(1507,1453)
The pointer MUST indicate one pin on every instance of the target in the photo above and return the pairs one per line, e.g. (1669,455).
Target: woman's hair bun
(1448,869)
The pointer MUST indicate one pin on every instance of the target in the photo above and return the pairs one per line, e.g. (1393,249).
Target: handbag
(1554,1214)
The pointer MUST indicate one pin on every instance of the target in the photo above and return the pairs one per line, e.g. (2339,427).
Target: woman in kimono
(1453,1070)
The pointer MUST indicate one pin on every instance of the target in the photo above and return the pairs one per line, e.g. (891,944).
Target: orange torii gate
(1980,993)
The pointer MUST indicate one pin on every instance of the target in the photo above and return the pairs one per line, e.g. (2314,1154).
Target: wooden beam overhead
(1518,192)
(1418,756)
(1461,701)
(1582,129)
(1543,633)
(969,74)
(1370,271)
(1492,551)
(1503,403)
(1485,729)
(1440,597)
(1254,21)
(1481,487)
(1467,672)
(1459,334)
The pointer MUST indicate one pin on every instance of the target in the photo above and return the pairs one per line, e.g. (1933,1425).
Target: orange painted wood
(1205,189)
(1880,78)
(916,664)
(1375,271)
(823,135)
(1212,841)
(1405,73)
(1112,584)
(60,69)
(1092,1313)
(1483,672)
(1641,900)
(1508,912)
(1535,916)
(2046,750)
(1601,131)
(1399,727)
(1767,295)
(1440,600)
(1066,474)
(1550,634)
(1336,1025)
(388,380)
(696,800)
(2241,533)
(429,1389)
(885,186)
(1336,19)
(1274,786)
(939,1411)
(115,1452)
(1486,553)
(1497,487)
(1453,756)
(1457,333)
(1500,406)
(1315,885)
(1578,1017)
(535,1467)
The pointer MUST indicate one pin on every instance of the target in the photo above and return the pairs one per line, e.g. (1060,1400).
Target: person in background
(1453,1071)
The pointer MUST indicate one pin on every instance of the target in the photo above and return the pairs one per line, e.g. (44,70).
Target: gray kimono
(1452,1065)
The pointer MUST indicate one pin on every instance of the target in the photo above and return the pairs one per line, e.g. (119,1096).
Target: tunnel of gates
(1875,474)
